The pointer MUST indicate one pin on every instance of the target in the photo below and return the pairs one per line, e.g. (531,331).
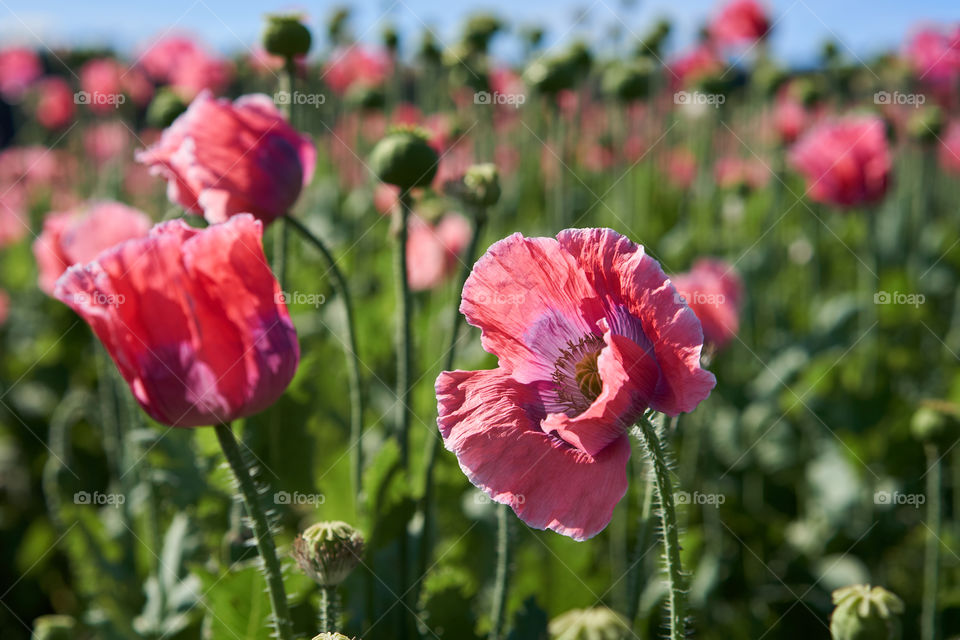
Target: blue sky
(861,26)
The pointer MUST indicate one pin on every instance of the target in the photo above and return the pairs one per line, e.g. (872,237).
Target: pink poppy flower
(790,117)
(179,61)
(108,142)
(433,251)
(56,106)
(681,168)
(846,162)
(193,318)
(949,148)
(732,172)
(19,68)
(74,237)
(589,333)
(714,291)
(739,22)
(14,214)
(221,158)
(935,54)
(356,65)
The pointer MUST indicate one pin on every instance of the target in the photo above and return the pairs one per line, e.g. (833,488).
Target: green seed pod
(337,24)
(404,159)
(54,627)
(328,552)
(930,425)
(391,39)
(550,76)
(361,96)
(863,613)
(286,35)
(598,623)
(429,50)
(165,107)
(482,184)
(480,29)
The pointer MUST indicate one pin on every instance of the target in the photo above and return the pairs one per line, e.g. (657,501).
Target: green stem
(503,566)
(261,530)
(931,563)
(433,444)
(676,581)
(401,217)
(329,609)
(281,233)
(350,351)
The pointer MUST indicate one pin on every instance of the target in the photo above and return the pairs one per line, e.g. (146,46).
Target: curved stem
(350,351)
(433,444)
(329,609)
(931,563)
(668,520)
(261,530)
(503,566)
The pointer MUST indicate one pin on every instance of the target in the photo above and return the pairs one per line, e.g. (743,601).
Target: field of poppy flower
(394,339)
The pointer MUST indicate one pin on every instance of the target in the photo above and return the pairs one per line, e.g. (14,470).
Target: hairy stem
(342,289)
(500,588)
(676,581)
(329,609)
(261,530)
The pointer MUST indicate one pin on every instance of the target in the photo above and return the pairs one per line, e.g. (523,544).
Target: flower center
(576,376)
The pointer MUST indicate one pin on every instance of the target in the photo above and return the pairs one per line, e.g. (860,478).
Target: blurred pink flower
(73,237)
(790,117)
(107,85)
(108,142)
(14,214)
(681,167)
(193,319)
(949,148)
(433,250)
(589,333)
(19,68)
(356,65)
(687,68)
(731,172)
(846,162)
(739,22)
(715,292)
(935,54)
(56,106)
(221,158)
(179,61)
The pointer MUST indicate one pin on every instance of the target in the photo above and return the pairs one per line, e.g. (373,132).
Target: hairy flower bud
(286,35)
(328,552)
(482,182)
(863,613)
(404,159)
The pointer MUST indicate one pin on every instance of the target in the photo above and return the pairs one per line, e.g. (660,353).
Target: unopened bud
(404,159)
(328,552)
(586,624)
